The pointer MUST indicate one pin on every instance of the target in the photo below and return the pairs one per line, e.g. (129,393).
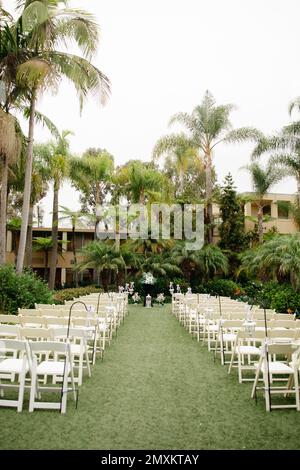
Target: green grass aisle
(156,389)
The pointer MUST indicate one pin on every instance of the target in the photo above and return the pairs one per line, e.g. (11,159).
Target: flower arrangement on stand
(136,298)
(148,280)
(160,299)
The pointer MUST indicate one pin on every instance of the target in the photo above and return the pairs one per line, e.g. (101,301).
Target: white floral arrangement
(160,298)
(136,298)
(148,278)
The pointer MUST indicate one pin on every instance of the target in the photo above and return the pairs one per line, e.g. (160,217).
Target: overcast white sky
(161,56)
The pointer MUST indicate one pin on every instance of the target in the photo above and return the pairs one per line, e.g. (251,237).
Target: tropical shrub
(280,297)
(223,287)
(276,258)
(69,294)
(21,290)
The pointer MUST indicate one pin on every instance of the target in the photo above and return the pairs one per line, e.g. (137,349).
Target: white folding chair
(13,365)
(246,351)
(54,367)
(274,370)
(79,349)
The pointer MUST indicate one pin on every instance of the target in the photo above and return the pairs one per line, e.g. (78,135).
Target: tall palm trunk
(208,191)
(260,224)
(46,265)
(298,190)
(27,186)
(95,272)
(97,221)
(3,210)
(29,237)
(74,256)
(53,257)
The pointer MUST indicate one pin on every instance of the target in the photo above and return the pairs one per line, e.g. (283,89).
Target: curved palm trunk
(27,187)
(3,210)
(260,225)
(53,257)
(29,237)
(208,190)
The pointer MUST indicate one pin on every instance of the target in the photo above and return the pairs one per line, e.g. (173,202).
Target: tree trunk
(3,211)
(104,280)
(260,225)
(46,265)
(29,237)
(75,257)
(208,191)
(95,272)
(27,186)
(53,257)
(298,190)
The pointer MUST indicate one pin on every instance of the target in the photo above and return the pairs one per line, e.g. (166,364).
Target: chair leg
(21,390)
(240,368)
(64,393)
(296,383)
(33,390)
(232,359)
(87,362)
(255,382)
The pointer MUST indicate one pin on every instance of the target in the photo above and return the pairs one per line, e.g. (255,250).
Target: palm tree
(14,226)
(207,126)
(75,218)
(179,153)
(45,25)
(278,256)
(262,181)
(131,259)
(91,175)
(11,143)
(103,258)
(140,182)
(161,265)
(209,260)
(39,187)
(45,244)
(55,158)
(284,149)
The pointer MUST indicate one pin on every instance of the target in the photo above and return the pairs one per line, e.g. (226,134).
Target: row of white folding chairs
(31,362)
(99,326)
(107,316)
(247,352)
(195,322)
(206,327)
(83,342)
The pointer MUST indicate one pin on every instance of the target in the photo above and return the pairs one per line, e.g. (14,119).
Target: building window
(283,210)
(267,209)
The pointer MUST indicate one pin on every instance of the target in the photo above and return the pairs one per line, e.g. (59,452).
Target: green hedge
(21,290)
(223,287)
(280,297)
(69,294)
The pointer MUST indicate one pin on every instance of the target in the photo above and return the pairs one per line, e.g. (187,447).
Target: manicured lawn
(156,389)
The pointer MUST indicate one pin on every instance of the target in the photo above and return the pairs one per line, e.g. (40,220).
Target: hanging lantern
(249,327)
